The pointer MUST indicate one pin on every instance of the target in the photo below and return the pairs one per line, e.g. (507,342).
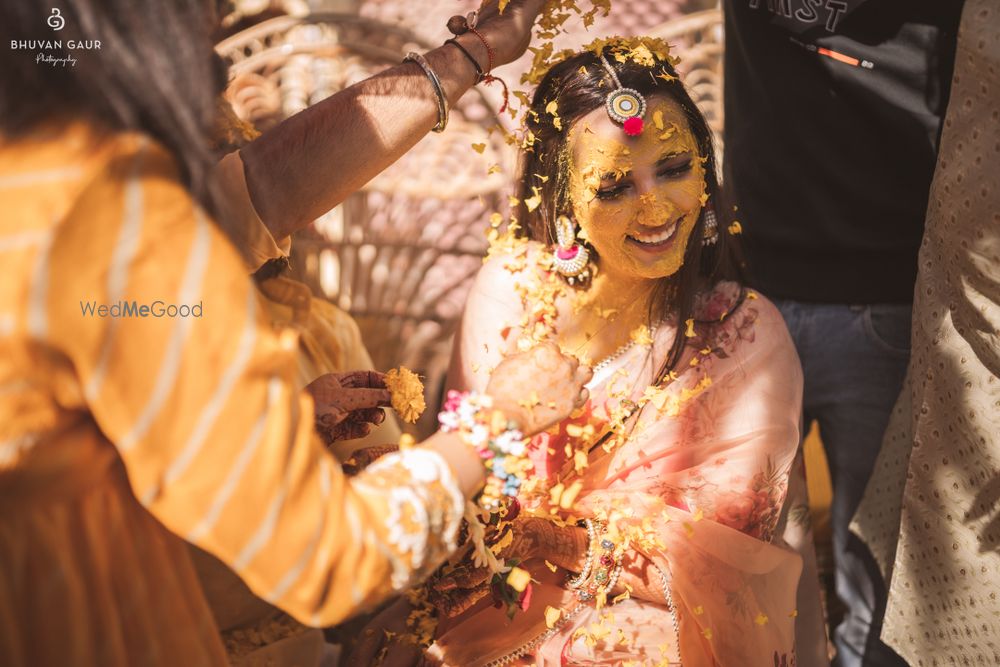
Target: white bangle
(442,101)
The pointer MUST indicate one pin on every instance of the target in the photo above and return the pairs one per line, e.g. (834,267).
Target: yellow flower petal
(640,335)
(533,202)
(552,616)
(658,119)
(569,496)
(518,579)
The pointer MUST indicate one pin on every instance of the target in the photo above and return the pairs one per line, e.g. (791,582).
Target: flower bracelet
(496,439)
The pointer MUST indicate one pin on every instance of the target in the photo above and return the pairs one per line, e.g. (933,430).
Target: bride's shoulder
(513,264)
(727,299)
(737,318)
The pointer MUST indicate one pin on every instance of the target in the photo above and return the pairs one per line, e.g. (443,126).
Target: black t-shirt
(833,113)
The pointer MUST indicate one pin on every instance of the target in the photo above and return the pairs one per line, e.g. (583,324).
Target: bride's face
(637,198)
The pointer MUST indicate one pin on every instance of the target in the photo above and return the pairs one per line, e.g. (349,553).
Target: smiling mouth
(654,240)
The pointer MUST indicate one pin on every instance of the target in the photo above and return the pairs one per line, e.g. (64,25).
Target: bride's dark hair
(579,84)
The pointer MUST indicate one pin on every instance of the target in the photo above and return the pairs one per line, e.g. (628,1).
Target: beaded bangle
(607,571)
(588,564)
(442,101)
(497,441)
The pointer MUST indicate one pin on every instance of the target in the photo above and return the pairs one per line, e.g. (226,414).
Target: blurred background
(399,256)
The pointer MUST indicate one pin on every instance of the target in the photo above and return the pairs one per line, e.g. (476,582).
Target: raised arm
(309,163)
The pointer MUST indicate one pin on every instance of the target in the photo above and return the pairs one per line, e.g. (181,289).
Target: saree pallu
(705,470)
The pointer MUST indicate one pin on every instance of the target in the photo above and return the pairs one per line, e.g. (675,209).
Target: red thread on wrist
(488,77)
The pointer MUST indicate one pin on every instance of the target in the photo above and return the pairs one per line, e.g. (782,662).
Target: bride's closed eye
(667,167)
(612,191)
(677,165)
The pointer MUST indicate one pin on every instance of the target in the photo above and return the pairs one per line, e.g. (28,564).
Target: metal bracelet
(442,101)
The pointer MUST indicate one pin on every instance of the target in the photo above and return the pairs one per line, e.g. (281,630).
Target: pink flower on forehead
(633,126)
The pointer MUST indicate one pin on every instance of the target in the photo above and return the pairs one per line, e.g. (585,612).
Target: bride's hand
(348,404)
(526,543)
(539,388)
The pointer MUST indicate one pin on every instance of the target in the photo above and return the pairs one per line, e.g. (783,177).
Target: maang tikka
(625,106)
(570,258)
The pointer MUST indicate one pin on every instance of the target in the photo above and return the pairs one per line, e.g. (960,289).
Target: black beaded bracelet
(465,52)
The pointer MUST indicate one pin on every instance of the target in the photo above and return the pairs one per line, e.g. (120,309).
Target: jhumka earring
(625,106)
(570,258)
(711,235)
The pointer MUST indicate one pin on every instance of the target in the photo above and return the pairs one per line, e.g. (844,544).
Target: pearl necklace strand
(606,361)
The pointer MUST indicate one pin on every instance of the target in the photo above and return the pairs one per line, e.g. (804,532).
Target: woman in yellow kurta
(123,434)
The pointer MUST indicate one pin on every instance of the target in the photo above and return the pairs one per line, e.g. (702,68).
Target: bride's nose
(655,209)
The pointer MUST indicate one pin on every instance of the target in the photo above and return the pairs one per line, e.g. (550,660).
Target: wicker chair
(400,254)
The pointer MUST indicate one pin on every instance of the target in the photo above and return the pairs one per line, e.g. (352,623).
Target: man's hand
(509,33)
(348,404)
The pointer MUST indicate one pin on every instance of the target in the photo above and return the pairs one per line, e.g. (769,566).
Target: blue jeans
(854,360)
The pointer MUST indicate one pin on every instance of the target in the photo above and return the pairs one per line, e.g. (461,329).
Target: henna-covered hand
(460,588)
(362,458)
(348,404)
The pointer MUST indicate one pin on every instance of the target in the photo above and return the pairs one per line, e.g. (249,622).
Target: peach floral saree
(705,471)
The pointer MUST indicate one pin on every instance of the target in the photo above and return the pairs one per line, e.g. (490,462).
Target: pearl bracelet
(588,564)
(607,571)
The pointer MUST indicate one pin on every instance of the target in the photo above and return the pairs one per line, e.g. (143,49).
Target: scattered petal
(518,579)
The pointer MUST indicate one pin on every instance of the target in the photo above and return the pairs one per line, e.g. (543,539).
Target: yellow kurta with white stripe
(118,434)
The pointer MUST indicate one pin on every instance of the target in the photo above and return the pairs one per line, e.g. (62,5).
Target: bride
(648,525)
